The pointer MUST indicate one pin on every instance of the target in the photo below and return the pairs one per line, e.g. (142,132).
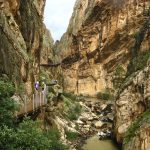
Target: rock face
(24,41)
(133,100)
(99,37)
(103,34)
(141,140)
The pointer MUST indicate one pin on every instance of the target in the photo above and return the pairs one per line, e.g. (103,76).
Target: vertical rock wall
(133,100)
(25,42)
(100,37)
(141,140)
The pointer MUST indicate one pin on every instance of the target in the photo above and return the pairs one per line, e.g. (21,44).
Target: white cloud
(57,15)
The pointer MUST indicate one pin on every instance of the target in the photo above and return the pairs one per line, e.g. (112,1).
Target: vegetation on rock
(106,95)
(28,134)
(131,132)
(7,105)
(71,136)
(72,109)
(118,76)
(70,96)
(138,62)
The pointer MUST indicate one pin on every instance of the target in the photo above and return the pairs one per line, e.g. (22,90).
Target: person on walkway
(37,85)
(43,86)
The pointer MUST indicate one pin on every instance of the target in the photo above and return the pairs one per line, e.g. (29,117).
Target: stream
(94,143)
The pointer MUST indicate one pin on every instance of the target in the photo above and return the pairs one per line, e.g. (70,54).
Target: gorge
(100,67)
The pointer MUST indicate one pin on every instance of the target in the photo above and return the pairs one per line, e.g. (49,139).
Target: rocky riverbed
(97,118)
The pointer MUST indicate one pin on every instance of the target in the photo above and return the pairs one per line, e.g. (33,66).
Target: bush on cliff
(71,109)
(26,135)
(131,132)
(138,62)
(70,96)
(106,95)
(7,105)
(71,136)
(118,76)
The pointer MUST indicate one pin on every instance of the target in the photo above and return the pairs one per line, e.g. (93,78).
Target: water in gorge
(94,143)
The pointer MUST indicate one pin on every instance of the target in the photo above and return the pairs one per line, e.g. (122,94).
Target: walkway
(38,100)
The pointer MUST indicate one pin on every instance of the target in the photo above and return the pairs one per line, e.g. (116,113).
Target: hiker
(43,86)
(37,85)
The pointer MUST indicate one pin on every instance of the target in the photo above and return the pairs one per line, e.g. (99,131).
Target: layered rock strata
(25,42)
(133,100)
(141,138)
(99,37)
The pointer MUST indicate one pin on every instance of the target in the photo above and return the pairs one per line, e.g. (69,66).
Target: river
(94,143)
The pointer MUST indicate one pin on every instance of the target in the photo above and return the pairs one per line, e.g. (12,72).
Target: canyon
(104,55)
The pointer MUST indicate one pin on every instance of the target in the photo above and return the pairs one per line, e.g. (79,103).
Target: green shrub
(71,136)
(72,109)
(20,89)
(74,112)
(70,96)
(44,76)
(57,145)
(131,132)
(7,104)
(6,89)
(29,136)
(119,71)
(8,138)
(77,108)
(138,62)
(72,115)
(118,76)
(53,134)
(106,95)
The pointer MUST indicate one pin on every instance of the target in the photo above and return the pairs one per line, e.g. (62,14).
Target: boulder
(99,124)
(88,103)
(104,134)
(83,119)
(80,122)
(103,106)
(106,119)
(86,126)
(90,118)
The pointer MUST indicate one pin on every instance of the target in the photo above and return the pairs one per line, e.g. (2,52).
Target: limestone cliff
(25,42)
(138,136)
(100,37)
(107,45)
(133,100)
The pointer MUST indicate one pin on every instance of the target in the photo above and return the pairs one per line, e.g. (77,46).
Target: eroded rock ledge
(25,41)
(132,102)
(102,33)
(138,135)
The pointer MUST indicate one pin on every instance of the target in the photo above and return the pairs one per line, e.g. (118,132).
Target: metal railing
(39,99)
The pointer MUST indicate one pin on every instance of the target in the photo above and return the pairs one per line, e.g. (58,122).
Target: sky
(57,15)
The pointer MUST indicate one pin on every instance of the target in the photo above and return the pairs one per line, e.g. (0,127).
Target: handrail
(38,100)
